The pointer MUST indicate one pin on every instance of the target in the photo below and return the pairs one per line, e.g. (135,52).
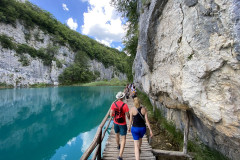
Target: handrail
(97,148)
(97,140)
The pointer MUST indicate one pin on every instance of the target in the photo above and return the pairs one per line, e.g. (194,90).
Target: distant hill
(34,34)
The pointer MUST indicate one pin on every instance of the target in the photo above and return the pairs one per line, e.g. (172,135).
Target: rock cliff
(13,72)
(188,58)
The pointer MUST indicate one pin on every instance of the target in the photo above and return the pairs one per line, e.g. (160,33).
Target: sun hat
(120,95)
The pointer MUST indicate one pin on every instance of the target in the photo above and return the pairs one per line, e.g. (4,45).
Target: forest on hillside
(31,15)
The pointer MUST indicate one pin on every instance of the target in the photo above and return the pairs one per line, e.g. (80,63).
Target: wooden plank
(131,158)
(126,154)
(115,150)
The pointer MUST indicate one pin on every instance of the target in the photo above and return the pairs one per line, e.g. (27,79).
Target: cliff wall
(188,58)
(13,72)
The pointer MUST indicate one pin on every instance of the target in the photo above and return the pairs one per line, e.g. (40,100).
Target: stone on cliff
(188,53)
(12,72)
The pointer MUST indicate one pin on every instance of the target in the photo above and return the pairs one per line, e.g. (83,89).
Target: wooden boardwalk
(111,152)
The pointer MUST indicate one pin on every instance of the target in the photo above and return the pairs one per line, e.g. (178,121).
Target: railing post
(186,130)
(100,146)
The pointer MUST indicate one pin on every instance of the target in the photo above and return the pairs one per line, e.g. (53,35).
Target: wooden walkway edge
(111,152)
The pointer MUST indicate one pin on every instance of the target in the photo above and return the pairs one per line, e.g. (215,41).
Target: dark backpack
(119,113)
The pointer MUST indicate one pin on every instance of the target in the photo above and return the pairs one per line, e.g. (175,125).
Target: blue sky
(94,18)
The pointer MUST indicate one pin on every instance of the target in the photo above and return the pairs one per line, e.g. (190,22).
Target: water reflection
(40,123)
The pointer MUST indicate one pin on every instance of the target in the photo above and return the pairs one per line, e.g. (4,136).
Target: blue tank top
(138,120)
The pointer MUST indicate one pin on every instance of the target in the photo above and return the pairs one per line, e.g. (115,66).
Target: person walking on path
(133,92)
(138,117)
(126,91)
(119,111)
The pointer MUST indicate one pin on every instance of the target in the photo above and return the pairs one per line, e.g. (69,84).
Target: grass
(113,82)
(39,85)
(201,151)
(5,85)
(175,134)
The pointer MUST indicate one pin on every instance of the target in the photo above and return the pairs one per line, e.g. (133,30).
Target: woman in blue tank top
(138,117)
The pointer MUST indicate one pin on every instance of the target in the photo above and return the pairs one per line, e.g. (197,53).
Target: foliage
(129,11)
(113,82)
(6,42)
(24,60)
(5,85)
(39,85)
(76,73)
(201,151)
(47,55)
(59,64)
(27,36)
(31,15)
(146,2)
(81,58)
(97,73)
(177,136)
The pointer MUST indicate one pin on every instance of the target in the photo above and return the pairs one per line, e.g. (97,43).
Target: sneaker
(118,147)
(119,158)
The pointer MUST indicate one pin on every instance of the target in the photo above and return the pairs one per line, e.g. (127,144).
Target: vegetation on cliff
(167,132)
(30,16)
(129,11)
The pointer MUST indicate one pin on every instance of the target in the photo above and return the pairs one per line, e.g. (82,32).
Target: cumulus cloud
(72,24)
(105,42)
(65,7)
(103,22)
(119,48)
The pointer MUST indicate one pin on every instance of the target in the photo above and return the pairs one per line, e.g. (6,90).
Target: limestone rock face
(12,72)
(106,73)
(188,55)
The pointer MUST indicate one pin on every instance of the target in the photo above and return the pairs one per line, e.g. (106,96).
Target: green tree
(128,8)
(76,73)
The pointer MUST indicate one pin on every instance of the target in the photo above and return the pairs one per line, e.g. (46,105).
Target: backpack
(119,113)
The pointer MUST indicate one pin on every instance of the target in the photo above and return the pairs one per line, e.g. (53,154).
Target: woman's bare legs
(140,144)
(136,147)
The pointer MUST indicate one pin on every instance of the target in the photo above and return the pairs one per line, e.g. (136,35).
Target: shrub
(76,73)
(24,60)
(58,63)
(6,42)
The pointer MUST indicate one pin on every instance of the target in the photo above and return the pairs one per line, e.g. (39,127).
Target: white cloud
(73,25)
(105,42)
(103,22)
(72,141)
(119,48)
(65,7)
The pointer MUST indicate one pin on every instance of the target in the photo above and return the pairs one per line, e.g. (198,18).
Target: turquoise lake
(56,123)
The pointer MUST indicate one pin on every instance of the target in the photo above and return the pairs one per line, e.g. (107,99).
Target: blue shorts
(138,132)
(120,128)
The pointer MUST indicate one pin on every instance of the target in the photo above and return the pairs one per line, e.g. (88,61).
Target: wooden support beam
(186,131)
(99,147)
(170,153)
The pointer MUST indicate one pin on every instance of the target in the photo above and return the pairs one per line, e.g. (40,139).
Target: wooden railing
(97,141)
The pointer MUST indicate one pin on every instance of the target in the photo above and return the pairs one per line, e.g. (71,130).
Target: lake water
(51,123)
